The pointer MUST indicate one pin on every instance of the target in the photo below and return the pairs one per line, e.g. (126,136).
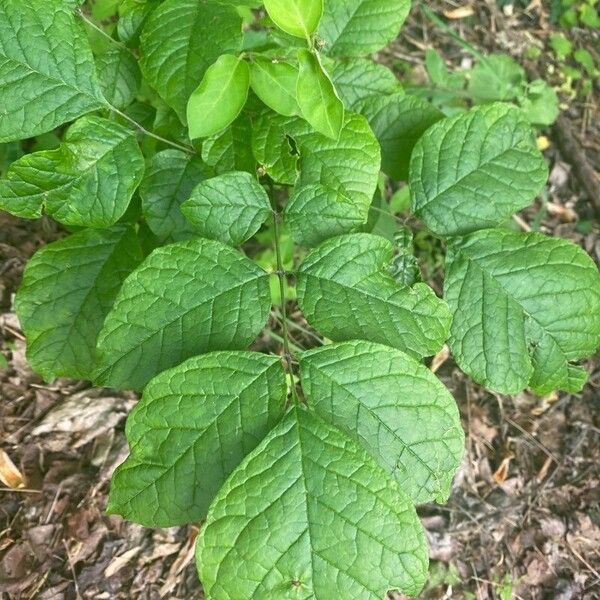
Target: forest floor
(523,520)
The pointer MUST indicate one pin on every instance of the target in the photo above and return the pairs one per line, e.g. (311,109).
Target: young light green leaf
(273,148)
(47,74)
(180,40)
(68,288)
(194,425)
(319,103)
(392,405)
(296,17)
(398,121)
(154,326)
(309,514)
(87,182)
(360,78)
(119,75)
(170,177)
(231,150)
(525,306)
(360,27)
(347,293)
(230,208)
(474,170)
(274,82)
(219,98)
(337,180)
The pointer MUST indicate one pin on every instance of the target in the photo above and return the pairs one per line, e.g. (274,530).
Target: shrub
(228,124)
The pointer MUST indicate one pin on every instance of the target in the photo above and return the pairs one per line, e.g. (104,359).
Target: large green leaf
(274,82)
(309,514)
(360,78)
(346,292)
(230,208)
(296,17)
(394,406)
(180,40)
(47,74)
(185,299)
(68,288)
(524,306)
(220,97)
(319,103)
(398,121)
(119,75)
(170,177)
(360,27)
(474,170)
(87,182)
(337,180)
(191,429)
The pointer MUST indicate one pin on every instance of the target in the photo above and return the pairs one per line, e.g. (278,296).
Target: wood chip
(461,12)
(9,474)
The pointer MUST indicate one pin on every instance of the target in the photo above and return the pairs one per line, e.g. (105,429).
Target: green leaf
(180,40)
(525,306)
(394,406)
(498,77)
(47,73)
(398,121)
(68,288)
(347,293)
(296,17)
(230,208)
(273,147)
(473,171)
(170,177)
(337,181)
(231,150)
(360,27)
(119,75)
(274,82)
(220,97)
(540,106)
(193,426)
(165,312)
(360,78)
(87,182)
(317,98)
(309,514)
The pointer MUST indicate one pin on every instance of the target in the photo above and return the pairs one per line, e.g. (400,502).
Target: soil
(523,520)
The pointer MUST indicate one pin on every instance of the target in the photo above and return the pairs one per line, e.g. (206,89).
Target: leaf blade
(392,405)
(317,98)
(68,289)
(219,98)
(230,208)
(314,536)
(490,167)
(537,302)
(197,422)
(346,291)
(148,329)
(42,83)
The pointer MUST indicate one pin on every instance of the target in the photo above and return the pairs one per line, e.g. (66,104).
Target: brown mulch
(523,520)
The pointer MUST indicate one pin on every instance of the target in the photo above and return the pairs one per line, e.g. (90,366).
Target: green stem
(101,31)
(143,130)
(288,356)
